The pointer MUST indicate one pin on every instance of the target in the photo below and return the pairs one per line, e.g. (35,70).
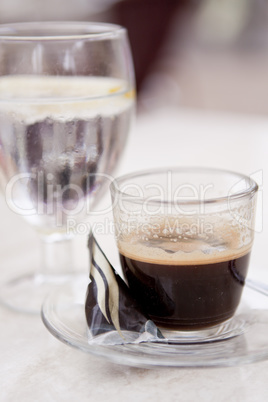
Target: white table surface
(35,366)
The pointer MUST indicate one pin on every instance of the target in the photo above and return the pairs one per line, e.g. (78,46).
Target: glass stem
(57,257)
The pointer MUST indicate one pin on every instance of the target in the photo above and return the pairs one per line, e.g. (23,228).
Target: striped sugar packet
(112,313)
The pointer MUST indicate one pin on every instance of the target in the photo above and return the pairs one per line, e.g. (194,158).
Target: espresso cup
(184,237)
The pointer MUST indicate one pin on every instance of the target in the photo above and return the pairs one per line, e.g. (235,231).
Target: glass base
(27,293)
(226,330)
(240,340)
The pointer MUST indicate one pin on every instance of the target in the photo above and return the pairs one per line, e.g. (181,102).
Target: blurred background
(199,54)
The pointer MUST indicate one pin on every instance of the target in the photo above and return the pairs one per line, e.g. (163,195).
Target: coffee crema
(185,290)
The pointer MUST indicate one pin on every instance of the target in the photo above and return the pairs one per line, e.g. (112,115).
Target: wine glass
(66,105)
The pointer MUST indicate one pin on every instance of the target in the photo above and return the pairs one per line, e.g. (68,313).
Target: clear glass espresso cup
(184,237)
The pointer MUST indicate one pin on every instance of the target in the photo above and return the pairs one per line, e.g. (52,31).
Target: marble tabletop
(35,366)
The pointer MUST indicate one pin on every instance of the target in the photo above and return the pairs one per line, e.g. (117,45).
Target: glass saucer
(63,315)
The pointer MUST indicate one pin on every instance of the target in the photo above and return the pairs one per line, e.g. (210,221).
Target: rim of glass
(42,31)
(251,189)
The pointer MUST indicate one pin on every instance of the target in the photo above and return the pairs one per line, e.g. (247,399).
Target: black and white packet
(112,313)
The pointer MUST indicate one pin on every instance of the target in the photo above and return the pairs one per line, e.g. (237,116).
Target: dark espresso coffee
(187,295)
